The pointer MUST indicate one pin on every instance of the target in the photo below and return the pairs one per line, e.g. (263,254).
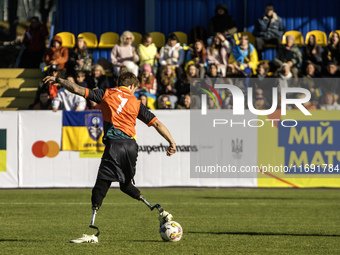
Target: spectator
(261,84)
(148,82)
(213,71)
(44,101)
(98,80)
(165,102)
(308,105)
(167,85)
(218,53)
(329,102)
(34,41)
(285,78)
(198,56)
(211,103)
(244,57)
(124,53)
(144,99)
(260,102)
(81,58)
(332,51)
(53,90)
(172,54)
(312,53)
(68,101)
(222,22)
(185,102)
(308,81)
(57,55)
(331,81)
(183,86)
(269,29)
(147,52)
(290,54)
(81,76)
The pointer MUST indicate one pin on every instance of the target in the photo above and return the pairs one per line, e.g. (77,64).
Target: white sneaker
(85,239)
(164,217)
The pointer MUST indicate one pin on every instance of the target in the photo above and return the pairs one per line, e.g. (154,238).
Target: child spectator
(172,54)
(148,82)
(329,102)
(68,101)
(124,52)
(81,58)
(98,80)
(34,41)
(218,53)
(57,55)
(312,53)
(147,52)
(44,101)
(198,56)
(144,99)
(165,102)
(168,81)
(81,76)
(332,51)
(243,57)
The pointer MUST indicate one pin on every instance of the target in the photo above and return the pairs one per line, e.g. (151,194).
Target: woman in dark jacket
(98,80)
(312,53)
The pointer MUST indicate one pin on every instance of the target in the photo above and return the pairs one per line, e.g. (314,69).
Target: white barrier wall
(34,159)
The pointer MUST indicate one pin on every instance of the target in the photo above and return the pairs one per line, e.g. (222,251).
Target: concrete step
(19,83)
(22,92)
(20,73)
(15,102)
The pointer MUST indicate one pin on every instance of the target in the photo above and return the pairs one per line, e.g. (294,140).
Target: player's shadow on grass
(270,198)
(262,234)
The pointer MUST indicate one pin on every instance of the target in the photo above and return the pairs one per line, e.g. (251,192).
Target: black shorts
(119,160)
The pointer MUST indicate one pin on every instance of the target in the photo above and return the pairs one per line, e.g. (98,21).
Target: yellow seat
(158,39)
(68,39)
(182,37)
(90,39)
(138,38)
(331,34)
(108,40)
(320,37)
(251,37)
(297,35)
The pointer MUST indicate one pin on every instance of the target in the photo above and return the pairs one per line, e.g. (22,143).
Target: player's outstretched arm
(70,86)
(163,131)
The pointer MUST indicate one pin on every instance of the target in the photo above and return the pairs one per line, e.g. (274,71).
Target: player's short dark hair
(127,79)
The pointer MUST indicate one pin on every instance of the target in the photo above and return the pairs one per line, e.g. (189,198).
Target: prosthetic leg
(92,222)
(163,217)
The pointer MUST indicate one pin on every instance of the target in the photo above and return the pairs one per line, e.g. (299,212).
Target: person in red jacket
(34,41)
(57,54)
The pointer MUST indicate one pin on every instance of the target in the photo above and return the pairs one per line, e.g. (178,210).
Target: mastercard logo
(49,149)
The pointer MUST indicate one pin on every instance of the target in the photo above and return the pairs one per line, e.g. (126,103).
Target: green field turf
(215,221)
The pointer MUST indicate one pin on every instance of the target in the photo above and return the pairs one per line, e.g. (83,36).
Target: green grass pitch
(214,221)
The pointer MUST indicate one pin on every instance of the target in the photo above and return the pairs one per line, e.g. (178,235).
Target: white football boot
(85,239)
(164,217)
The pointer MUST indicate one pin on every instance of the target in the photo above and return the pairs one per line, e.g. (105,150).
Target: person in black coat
(98,80)
(222,22)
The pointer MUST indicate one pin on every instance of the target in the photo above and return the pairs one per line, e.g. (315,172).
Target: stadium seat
(68,39)
(158,39)
(298,37)
(321,37)
(182,37)
(331,34)
(138,38)
(90,39)
(251,37)
(108,40)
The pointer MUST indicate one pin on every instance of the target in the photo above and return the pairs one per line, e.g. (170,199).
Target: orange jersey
(120,109)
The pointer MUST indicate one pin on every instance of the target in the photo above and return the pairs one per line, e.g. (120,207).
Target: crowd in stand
(165,74)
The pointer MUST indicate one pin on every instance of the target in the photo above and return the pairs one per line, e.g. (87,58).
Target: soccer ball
(171,231)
